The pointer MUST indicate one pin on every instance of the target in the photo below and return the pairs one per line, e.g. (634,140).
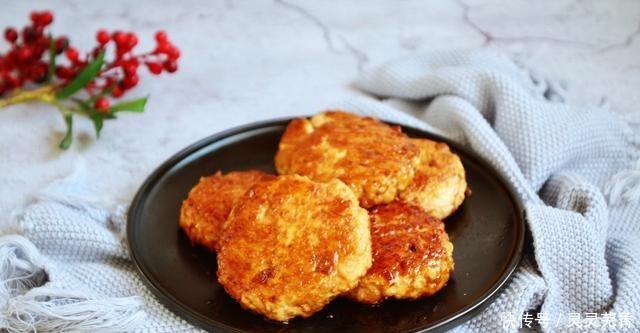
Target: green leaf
(98,122)
(85,76)
(68,138)
(52,59)
(134,105)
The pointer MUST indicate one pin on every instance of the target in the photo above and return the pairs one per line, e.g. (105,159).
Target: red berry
(173,53)
(11,35)
(130,68)
(46,18)
(120,38)
(160,49)
(132,40)
(154,67)
(130,81)
(72,54)
(34,16)
(39,31)
(29,34)
(43,42)
(117,91)
(61,44)
(40,72)
(24,53)
(41,19)
(170,66)
(102,104)
(102,36)
(161,37)
(63,72)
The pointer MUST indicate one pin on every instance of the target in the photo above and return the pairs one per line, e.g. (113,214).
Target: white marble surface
(248,60)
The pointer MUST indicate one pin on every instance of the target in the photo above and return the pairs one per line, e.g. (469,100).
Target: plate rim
(184,312)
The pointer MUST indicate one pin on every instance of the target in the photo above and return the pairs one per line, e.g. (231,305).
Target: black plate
(487,232)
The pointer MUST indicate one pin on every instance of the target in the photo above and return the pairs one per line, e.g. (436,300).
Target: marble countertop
(240,58)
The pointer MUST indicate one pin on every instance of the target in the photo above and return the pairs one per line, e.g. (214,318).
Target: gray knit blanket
(576,169)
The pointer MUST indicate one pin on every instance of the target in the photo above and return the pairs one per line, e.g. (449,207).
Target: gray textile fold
(575,169)
(561,159)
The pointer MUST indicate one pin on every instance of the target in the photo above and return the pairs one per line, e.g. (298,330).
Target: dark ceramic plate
(487,232)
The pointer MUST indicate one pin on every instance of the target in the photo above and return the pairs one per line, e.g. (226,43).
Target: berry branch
(35,70)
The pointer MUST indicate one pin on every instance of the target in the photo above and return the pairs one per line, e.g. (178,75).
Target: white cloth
(575,170)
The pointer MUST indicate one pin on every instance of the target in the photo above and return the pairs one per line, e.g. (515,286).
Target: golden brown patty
(210,201)
(412,255)
(439,183)
(291,245)
(372,158)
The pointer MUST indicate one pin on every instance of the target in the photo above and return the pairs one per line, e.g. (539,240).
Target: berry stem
(44,94)
(51,70)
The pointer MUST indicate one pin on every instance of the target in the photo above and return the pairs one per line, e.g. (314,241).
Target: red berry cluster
(78,83)
(121,74)
(24,61)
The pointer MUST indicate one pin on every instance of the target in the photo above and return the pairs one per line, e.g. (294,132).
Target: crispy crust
(439,183)
(412,255)
(209,203)
(291,245)
(375,160)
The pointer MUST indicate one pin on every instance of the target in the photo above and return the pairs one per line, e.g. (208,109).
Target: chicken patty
(291,245)
(374,159)
(439,183)
(209,203)
(412,255)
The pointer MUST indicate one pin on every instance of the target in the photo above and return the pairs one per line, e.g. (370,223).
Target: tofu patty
(291,245)
(375,160)
(412,255)
(209,203)
(439,184)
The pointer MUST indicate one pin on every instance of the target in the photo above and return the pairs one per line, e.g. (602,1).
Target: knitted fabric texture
(575,169)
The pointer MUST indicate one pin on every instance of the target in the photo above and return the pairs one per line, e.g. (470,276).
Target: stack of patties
(356,211)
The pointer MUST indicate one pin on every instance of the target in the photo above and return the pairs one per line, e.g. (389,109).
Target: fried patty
(291,245)
(439,183)
(209,203)
(412,255)
(374,159)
